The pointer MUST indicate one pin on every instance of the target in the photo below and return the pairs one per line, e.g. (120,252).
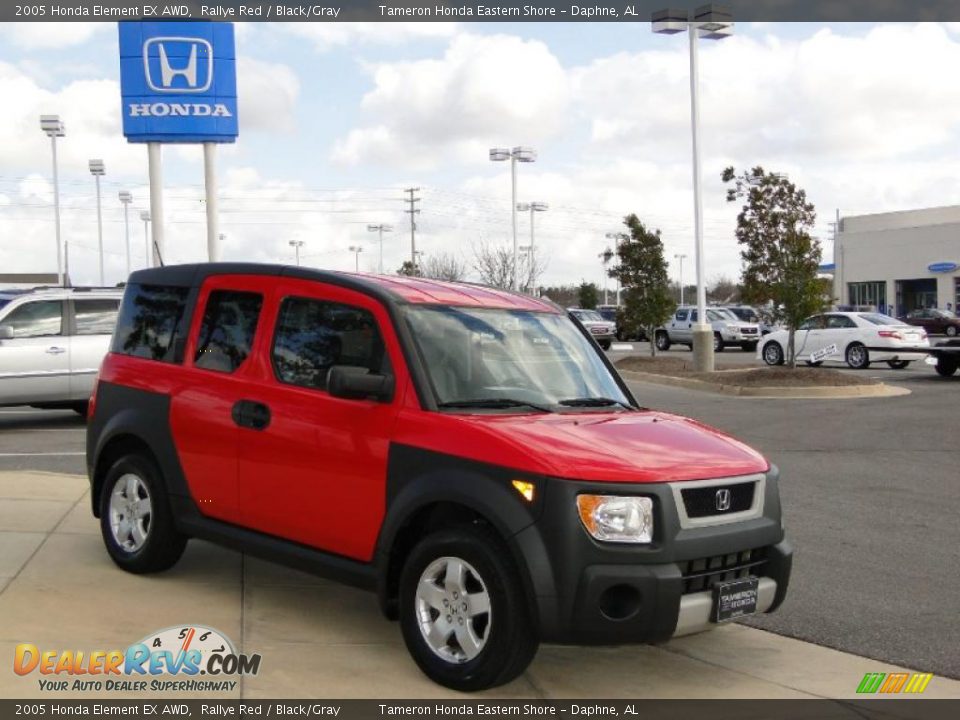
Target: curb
(794,393)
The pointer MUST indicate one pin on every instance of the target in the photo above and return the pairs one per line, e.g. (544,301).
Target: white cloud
(267,93)
(485,89)
(50,35)
(326,36)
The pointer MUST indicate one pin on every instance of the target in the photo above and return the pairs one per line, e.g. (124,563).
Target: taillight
(890,334)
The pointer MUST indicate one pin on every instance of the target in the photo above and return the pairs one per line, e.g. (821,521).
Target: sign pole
(156,200)
(210,187)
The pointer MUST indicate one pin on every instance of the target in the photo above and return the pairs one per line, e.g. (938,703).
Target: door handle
(251,414)
(55,350)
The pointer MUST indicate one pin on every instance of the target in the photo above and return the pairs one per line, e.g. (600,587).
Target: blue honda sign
(178,81)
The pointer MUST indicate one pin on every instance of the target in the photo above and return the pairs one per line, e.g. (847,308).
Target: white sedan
(857,338)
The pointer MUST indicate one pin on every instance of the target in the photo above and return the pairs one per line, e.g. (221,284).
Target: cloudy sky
(337,118)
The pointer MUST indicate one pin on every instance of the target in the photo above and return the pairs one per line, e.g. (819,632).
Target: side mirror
(357,383)
(6,332)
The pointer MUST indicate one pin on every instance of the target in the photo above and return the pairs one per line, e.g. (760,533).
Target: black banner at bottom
(886,708)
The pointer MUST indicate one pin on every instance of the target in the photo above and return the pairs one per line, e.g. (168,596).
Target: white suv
(52,341)
(728,329)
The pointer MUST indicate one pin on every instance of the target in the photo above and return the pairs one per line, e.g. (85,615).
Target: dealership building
(899,261)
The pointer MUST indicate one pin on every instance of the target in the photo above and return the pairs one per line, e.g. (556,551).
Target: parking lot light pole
(126,198)
(380,229)
(356,250)
(145,216)
(54,128)
(296,245)
(518,154)
(617,239)
(533,208)
(711,22)
(680,258)
(98,170)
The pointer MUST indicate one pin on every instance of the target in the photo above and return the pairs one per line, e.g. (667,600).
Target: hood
(634,447)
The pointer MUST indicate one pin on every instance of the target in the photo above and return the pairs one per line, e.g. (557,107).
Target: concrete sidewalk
(60,591)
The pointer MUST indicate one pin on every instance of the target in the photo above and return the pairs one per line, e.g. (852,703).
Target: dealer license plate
(735,599)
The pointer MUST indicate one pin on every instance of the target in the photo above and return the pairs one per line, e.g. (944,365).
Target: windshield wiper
(594,402)
(493,403)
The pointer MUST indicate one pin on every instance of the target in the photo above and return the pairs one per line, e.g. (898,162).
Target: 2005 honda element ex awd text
(470,454)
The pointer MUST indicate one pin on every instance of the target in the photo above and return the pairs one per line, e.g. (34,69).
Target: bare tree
(494,265)
(443,266)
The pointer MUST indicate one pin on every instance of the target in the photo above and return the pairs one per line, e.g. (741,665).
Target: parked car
(469,454)
(751,315)
(603,331)
(935,321)
(728,330)
(624,330)
(860,338)
(51,343)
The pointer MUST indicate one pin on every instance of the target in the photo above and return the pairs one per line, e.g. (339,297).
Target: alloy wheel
(131,511)
(453,609)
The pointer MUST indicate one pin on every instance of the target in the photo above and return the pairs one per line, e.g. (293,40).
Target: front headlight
(732,328)
(614,518)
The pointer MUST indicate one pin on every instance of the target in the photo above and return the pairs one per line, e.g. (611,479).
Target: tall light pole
(681,259)
(712,22)
(54,128)
(145,216)
(618,239)
(296,245)
(126,198)
(356,250)
(98,170)
(533,208)
(518,154)
(381,229)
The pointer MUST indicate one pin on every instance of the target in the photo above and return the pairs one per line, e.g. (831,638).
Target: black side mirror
(357,383)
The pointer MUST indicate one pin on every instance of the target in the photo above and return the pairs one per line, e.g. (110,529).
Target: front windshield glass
(588,315)
(878,319)
(483,354)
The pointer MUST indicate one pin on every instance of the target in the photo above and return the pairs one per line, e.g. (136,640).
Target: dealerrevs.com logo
(186,652)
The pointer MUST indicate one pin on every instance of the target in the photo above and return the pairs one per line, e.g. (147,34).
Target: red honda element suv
(469,454)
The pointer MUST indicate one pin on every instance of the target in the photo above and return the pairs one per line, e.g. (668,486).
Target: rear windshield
(878,319)
(151,318)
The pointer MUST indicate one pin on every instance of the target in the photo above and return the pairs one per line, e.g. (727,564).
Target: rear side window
(314,335)
(227,329)
(96,316)
(839,322)
(40,318)
(150,321)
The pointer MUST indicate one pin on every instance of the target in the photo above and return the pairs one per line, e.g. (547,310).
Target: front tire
(951,331)
(80,408)
(717,342)
(898,364)
(773,353)
(748,346)
(463,612)
(857,356)
(604,344)
(662,340)
(135,518)
(946,366)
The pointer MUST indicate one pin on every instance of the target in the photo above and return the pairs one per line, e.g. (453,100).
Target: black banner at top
(472,11)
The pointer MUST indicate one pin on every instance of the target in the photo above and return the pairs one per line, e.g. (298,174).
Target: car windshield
(717,315)
(878,319)
(510,358)
(588,315)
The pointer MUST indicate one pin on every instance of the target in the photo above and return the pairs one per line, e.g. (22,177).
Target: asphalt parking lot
(870,493)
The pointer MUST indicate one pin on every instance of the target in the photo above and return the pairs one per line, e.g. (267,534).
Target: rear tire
(662,340)
(951,331)
(135,518)
(773,353)
(857,356)
(497,643)
(898,364)
(946,366)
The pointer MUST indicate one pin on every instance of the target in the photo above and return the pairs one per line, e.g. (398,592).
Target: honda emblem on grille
(723,499)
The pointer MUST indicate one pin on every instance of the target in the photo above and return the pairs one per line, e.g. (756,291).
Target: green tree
(642,272)
(408,269)
(588,295)
(780,257)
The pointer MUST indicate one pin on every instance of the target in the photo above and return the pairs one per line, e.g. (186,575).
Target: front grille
(598,330)
(749,331)
(706,501)
(702,574)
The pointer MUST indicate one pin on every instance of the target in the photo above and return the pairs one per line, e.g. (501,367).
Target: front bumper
(740,337)
(587,592)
